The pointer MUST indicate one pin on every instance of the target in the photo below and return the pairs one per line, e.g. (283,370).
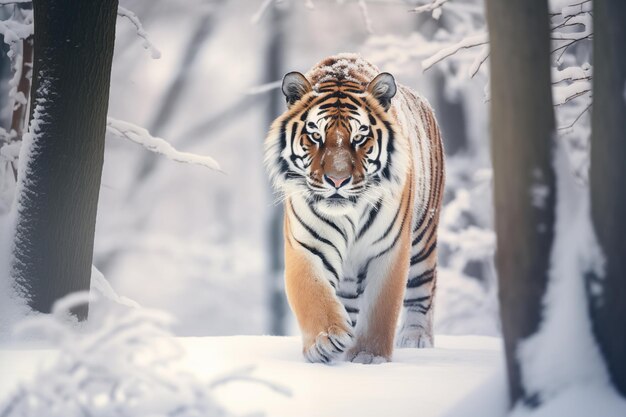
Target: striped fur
(361,177)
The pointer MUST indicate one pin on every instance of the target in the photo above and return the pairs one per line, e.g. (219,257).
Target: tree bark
(60,182)
(607,179)
(522,124)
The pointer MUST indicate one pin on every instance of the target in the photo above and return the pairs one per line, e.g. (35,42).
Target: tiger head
(334,145)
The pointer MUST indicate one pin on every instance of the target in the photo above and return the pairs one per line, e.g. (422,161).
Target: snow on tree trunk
(522,125)
(61,163)
(608,183)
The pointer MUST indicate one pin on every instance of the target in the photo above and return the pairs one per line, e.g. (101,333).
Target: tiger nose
(337,182)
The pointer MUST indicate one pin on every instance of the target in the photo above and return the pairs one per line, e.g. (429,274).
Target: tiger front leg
(380,307)
(324,323)
(416,330)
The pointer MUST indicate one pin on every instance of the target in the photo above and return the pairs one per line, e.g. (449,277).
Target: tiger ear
(295,86)
(383,88)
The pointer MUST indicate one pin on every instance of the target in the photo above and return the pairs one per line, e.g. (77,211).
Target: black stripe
(390,149)
(328,222)
(393,222)
(423,255)
(314,233)
(351,224)
(379,141)
(370,220)
(421,279)
(354,100)
(347,296)
(430,235)
(362,274)
(423,232)
(413,302)
(421,220)
(351,309)
(320,255)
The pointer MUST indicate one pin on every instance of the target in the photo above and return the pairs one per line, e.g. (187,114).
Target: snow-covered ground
(419,382)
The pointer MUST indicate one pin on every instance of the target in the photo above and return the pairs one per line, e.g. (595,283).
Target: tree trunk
(60,182)
(451,118)
(274,72)
(522,124)
(608,182)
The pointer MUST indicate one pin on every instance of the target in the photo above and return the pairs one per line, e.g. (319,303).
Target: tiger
(357,161)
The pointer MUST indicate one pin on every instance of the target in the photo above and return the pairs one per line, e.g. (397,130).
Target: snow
(423,382)
(455,365)
(12,31)
(583,400)
(563,353)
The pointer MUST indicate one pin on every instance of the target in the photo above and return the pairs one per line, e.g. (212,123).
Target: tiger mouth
(339,200)
(336,196)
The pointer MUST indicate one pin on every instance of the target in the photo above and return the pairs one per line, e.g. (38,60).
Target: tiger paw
(414,338)
(329,345)
(368,358)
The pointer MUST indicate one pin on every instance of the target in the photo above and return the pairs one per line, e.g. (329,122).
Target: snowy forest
(142,257)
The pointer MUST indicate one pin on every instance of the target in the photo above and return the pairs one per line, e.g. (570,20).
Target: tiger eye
(316,136)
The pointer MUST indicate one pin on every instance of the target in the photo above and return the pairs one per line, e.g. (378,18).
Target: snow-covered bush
(467,287)
(123,362)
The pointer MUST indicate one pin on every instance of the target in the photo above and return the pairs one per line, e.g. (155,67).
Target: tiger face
(334,145)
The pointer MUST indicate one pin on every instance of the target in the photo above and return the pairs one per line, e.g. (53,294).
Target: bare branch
(563,48)
(576,119)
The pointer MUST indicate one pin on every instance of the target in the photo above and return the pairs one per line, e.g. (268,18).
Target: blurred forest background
(205,246)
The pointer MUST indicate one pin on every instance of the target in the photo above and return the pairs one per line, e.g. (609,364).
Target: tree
(60,178)
(607,180)
(274,71)
(524,181)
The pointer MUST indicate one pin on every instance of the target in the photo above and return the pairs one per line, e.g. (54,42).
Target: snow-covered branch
(434,6)
(13,30)
(576,8)
(259,13)
(147,43)
(366,16)
(142,137)
(263,88)
(465,43)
